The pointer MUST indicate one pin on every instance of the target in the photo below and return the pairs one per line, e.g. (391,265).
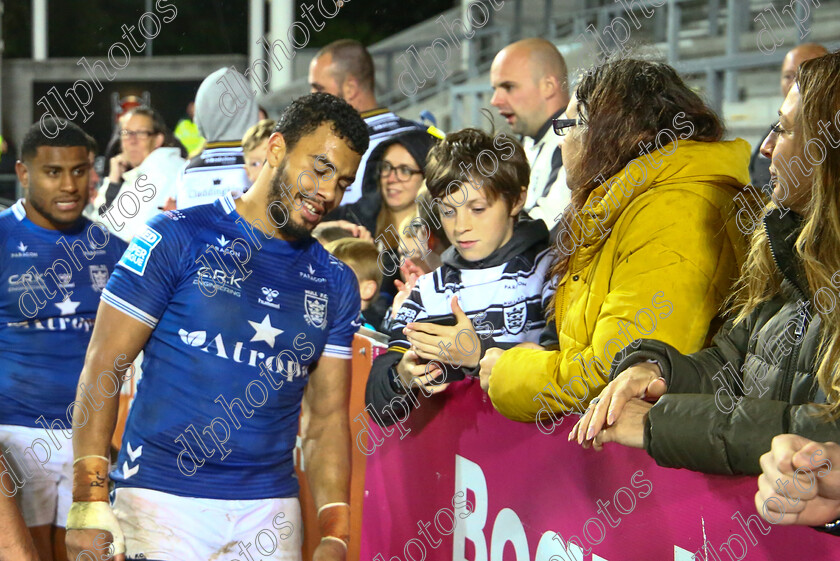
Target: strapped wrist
(90,479)
(334,522)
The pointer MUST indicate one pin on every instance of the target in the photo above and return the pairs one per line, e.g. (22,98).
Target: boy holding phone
(489,291)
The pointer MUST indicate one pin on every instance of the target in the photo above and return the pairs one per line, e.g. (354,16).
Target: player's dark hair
(307,113)
(69,134)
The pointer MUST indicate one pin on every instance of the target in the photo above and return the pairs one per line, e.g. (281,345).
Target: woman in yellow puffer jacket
(652,252)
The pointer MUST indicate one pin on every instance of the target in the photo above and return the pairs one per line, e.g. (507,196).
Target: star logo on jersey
(315,308)
(222,240)
(264,331)
(68,307)
(99,276)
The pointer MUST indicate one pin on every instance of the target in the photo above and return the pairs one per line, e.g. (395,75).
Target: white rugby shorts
(163,527)
(44,469)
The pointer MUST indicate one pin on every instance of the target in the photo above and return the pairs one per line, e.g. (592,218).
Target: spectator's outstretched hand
(410,272)
(641,380)
(798,484)
(487,363)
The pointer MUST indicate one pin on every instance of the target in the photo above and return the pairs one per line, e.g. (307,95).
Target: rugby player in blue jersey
(54,264)
(238,310)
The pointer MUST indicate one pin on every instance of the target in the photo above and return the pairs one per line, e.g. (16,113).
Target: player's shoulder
(10,219)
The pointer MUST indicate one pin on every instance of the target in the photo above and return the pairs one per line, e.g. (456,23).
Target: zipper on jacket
(802,325)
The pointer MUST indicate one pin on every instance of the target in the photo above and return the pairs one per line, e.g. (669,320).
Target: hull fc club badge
(315,309)
(515,318)
(98,276)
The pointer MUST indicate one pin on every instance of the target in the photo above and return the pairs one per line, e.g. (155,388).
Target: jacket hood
(417,142)
(725,163)
(224,110)
(529,238)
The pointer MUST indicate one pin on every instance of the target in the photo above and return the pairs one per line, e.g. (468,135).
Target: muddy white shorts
(163,527)
(44,470)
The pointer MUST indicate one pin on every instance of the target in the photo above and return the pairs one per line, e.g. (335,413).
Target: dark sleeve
(691,373)
(691,431)
(381,396)
(548,336)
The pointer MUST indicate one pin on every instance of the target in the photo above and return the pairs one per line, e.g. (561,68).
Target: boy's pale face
(254,160)
(477,228)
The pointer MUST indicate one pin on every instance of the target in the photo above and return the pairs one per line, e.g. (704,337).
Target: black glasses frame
(403,172)
(562,126)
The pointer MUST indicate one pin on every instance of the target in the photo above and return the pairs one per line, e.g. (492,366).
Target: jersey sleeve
(145,277)
(411,310)
(347,319)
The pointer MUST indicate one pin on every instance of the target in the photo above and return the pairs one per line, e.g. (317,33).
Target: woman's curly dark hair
(307,113)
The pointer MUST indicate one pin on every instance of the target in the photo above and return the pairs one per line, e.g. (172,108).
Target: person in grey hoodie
(225,108)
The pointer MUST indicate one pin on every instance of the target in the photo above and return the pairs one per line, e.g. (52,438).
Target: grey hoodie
(225,106)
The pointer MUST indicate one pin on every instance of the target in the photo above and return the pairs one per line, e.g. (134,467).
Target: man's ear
(349,89)
(22,174)
(367,289)
(276,149)
(159,138)
(520,202)
(548,86)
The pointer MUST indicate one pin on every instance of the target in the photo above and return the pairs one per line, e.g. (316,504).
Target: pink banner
(525,488)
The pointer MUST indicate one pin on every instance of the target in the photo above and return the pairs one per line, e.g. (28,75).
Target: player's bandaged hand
(96,516)
(91,509)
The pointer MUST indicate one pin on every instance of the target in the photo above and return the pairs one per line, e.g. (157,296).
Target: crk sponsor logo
(17,283)
(22,251)
(248,352)
(309,274)
(270,294)
(217,279)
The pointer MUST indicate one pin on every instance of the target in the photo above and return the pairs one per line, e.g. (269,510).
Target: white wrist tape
(96,516)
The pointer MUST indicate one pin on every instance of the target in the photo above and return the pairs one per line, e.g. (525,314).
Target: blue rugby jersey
(43,338)
(235,362)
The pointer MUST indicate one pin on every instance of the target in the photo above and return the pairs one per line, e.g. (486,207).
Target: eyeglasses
(562,126)
(142,135)
(404,172)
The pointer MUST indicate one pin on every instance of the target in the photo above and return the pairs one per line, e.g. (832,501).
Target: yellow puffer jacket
(667,262)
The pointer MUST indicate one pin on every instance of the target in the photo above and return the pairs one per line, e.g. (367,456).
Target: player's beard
(279,197)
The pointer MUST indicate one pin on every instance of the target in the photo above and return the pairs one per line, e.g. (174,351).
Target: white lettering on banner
(508,528)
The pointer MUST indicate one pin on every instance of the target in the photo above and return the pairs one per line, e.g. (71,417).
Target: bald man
(344,68)
(760,165)
(530,88)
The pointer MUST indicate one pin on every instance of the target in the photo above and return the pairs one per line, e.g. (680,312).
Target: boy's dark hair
(306,113)
(475,150)
(69,134)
